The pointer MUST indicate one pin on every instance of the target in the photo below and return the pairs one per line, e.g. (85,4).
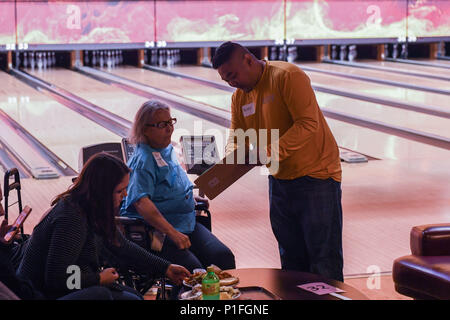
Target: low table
(283,284)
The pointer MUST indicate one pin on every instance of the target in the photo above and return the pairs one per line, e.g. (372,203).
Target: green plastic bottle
(211,285)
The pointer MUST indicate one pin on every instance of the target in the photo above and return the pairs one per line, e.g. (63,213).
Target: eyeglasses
(162,124)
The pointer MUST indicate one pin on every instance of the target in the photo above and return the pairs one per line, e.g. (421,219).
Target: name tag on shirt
(159,159)
(248,109)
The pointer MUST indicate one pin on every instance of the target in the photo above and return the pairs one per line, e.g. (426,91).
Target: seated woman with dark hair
(161,193)
(77,232)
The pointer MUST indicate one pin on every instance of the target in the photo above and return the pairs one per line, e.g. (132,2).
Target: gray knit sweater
(64,238)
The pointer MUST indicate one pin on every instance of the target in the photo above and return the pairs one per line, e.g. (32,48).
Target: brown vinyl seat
(425,274)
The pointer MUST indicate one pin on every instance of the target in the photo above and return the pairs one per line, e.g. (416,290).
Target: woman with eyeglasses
(161,193)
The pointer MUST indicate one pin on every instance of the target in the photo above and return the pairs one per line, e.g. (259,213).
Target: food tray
(257,293)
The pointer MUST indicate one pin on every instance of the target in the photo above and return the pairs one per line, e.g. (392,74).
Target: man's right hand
(108,276)
(181,240)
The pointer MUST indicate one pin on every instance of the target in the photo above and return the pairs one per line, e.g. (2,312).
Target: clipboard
(221,176)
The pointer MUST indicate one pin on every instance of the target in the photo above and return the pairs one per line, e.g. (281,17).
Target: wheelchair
(137,230)
(21,238)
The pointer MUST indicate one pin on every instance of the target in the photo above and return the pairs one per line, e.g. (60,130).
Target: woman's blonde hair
(143,117)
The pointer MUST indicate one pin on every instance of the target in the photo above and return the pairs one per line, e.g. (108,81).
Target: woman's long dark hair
(93,192)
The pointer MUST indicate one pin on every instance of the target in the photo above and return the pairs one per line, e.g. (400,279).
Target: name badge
(159,160)
(248,109)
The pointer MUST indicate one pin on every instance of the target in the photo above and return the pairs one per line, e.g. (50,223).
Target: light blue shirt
(156,173)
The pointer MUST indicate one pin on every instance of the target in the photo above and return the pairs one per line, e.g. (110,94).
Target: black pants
(306,219)
(206,249)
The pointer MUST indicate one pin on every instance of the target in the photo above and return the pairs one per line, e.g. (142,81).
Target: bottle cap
(210,269)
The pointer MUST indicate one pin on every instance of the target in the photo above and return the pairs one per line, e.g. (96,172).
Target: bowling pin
(25,60)
(39,61)
(273,53)
(395,51)
(169,58)
(44,60)
(32,60)
(282,54)
(404,53)
(343,53)
(101,59)
(292,54)
(352,53)
(386,51)
(121,57)
(113,59)
(117,58)
(333,52)
(160,59)
(86,58)
(108,59)
(18,60)
(154,57)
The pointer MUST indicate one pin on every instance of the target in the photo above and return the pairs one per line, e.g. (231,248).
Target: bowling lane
(126,104)
(363,140)
(382,75)
(394,93)
(409,67)
(180,86)
(380,90)
(62,130)
(200,72)
(437,62)
(394,116)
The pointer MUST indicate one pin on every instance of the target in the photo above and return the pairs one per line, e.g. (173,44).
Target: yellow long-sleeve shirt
(283,99)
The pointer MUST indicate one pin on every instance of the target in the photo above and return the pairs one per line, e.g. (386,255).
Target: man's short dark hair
(224,53)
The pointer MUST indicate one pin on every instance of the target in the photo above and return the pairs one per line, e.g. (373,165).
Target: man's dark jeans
(306,218)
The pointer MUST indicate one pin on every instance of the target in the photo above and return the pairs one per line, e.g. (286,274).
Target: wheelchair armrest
(201,206)
(128,221)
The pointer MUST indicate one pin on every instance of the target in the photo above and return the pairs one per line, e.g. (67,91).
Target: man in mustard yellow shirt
(305,189)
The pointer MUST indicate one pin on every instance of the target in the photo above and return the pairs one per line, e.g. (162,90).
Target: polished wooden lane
(125,104)
(380,90)
(179,86)
(383,91)
(389,115)
(409,67)
(382,75)
(62,130)
(437,62)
